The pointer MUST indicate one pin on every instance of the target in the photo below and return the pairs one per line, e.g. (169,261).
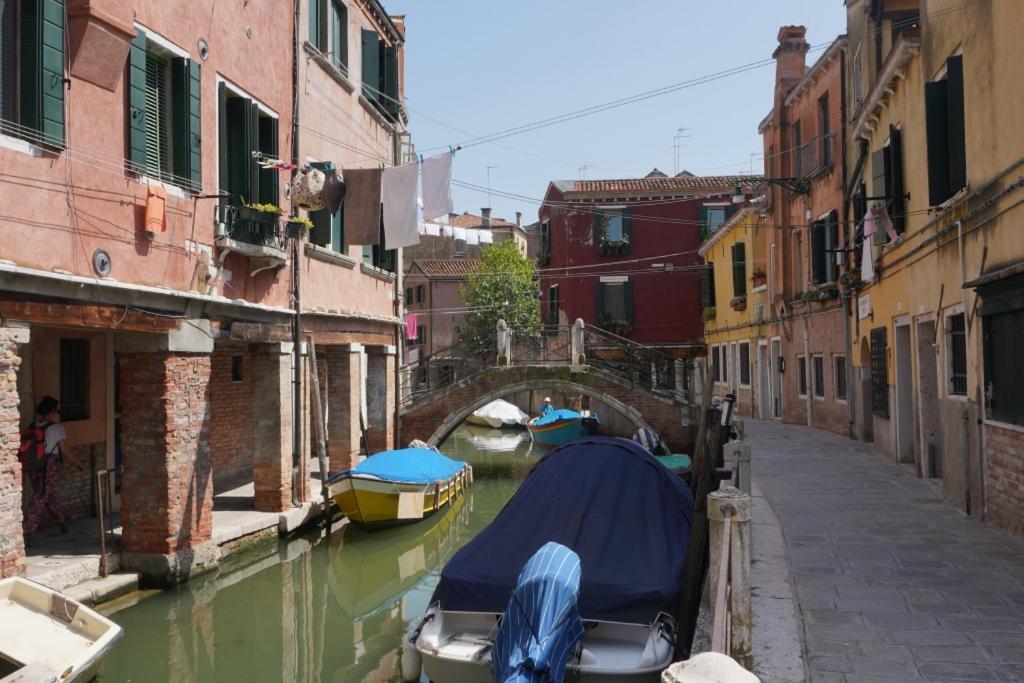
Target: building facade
(934,142)
(139,284)
(433,292)
(623,254)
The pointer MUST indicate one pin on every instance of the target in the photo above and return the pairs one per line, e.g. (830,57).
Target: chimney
(519,219)
(486,218)
(790,56)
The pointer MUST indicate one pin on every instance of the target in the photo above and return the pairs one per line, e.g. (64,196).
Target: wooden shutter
(818,260)
(389,93)
(703,218)
(598,226)
(600,300)
(739,269)
(627,224)
(8,60)
(338,232)
(339,38)
(627,296)
(223,165)
(833,258)
(955,123)
(315,18)
(137,102)
(936,122)
(320,235)
(268,177)
(897,202)
(371,63)
(187,117)
(252,142)
(42,70)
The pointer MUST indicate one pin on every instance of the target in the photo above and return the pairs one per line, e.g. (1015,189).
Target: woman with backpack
(43,471)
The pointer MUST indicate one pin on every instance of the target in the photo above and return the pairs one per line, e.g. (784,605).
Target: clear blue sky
(484,66)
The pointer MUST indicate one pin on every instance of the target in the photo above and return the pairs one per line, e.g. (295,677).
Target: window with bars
(879,373)
(32,71)
(164,114)
(744,364)
(818,364)
(956,351)
(801,375)
(839,363)
(74,379)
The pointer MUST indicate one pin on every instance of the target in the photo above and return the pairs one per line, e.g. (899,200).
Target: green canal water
(316,608)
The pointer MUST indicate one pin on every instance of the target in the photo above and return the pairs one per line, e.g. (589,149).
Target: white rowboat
(498,414)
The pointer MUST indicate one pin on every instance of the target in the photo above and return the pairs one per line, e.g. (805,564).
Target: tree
(502,288)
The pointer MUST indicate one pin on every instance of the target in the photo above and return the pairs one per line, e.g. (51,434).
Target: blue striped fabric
(542,623)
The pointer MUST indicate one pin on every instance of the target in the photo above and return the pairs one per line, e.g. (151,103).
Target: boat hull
(374,503)
(481,421)
(561,432)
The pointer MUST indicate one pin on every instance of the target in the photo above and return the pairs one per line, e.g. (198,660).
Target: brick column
(344,381)
(380,398)
(272,426)
(167,489)
(12,542)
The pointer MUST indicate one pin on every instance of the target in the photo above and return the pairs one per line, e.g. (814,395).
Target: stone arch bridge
(646,387)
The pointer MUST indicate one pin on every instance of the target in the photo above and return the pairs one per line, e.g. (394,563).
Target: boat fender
(411,661)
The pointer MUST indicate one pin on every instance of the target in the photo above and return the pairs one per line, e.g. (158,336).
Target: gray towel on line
(362,205)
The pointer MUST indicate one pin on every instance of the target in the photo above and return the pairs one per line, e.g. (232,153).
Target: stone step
(96,591)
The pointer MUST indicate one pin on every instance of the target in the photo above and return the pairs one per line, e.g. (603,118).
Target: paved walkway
(892,581)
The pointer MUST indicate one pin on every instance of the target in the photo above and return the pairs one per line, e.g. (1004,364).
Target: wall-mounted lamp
(737,195)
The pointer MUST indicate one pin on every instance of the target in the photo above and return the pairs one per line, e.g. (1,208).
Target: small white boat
(46,636)
(497,414)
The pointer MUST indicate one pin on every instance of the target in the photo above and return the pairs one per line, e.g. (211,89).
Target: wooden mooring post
(729,584)
(737,455)
(321,430)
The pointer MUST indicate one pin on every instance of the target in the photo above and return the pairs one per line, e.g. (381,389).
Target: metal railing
(552,346)
(635,363)
(440,370)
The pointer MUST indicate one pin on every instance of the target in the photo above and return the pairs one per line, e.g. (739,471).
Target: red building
(622,254)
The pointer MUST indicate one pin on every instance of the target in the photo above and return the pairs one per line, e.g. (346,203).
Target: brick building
(134,285)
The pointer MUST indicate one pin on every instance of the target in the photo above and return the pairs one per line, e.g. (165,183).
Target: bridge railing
(551,346)
(440,370)
(636,363)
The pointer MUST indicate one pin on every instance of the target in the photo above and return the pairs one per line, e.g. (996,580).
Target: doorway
(776,360)
(904,393)
(867,413)
(928,408)
(763,381)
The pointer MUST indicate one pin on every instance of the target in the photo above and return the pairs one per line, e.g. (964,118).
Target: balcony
(253,233)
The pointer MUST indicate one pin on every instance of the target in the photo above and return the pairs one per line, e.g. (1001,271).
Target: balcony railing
(250,226)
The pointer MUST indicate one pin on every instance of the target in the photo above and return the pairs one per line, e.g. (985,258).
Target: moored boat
(561,426)
(498,414)
(625,516)
(45,635)
(392,488)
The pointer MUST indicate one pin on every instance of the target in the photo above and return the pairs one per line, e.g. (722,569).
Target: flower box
(710,312)
(738,303)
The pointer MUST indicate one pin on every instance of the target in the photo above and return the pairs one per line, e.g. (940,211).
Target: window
(408,295)
(824,249)
(801,375)
(724,362)
(745,364)
(32,71)
(328,231)
(553,305)
(328,30)
(825,131)
(421,335)
(739,269)
(74,379)
(858,79)
(798,264)
(245,126)
(377,256)
(421,294)
(707,285)
(615,302)
(545,243)
(380,74)
(818,365)
(839,363)
(612,229)
(164,115)
(714,217)
(1004,363)
(947,146)
(879,374)
(236,368)
(717,374)
(956,352)
(887,182)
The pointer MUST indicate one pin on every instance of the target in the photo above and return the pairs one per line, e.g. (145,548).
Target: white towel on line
(437,186)
(472,236)
(398,185)
(486,237)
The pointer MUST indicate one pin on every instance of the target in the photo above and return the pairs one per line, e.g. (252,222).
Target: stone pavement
(892,581)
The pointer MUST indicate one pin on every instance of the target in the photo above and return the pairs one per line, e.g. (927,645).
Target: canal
(316,608)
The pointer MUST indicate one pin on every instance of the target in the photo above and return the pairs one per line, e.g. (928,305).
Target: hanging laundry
(472,236)
(433,229)
(448,231)
(410,327)
(399,191)
(867,266)
(437,186)
(422,229)
(459,234)
(334,190)
(486,237)
(362,206)
(881,217)
(870,226)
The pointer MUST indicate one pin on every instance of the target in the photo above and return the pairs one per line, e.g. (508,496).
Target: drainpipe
(808,367)
(967,330)
(297,320)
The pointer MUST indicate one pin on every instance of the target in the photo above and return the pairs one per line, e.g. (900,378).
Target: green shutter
(337,35)
(137,104)
(955,122)
(389,94)
(253,144)
(598,226)
(186,139)
(267,141)
(338,232)
(371,64)
(936,117)
(42,71)
(193,131)
(627,295)
(314,24)
(702,217)
(600,301)
(223,165)
(818,252)
(321,232)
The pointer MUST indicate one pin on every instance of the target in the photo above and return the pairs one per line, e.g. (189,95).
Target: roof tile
(447,268)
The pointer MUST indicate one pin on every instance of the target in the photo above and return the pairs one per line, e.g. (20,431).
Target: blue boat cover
(542,622)
(625,515)
(560,415)
(413,465)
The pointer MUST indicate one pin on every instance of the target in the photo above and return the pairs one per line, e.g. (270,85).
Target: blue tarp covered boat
(628,519)
(561,426)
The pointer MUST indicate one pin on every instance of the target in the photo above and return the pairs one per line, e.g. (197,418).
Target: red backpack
(32,452)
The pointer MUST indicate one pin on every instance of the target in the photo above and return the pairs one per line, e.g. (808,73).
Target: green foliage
(266,208)
(502,288)
(301,220)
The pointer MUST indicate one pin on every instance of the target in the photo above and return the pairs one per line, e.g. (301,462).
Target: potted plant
(759,278)
(738,303)
(709,313)
(297,227)
(256,223)
(609,246)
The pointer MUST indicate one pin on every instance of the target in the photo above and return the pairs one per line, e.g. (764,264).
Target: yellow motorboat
(392,488)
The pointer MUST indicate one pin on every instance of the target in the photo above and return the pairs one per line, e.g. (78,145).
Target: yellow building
(935,89)
(735,308)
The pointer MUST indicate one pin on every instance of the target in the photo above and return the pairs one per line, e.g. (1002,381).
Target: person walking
(44,478)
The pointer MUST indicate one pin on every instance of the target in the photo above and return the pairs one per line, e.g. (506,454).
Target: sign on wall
(863,307)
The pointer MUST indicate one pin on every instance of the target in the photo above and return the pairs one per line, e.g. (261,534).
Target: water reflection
(317,608)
